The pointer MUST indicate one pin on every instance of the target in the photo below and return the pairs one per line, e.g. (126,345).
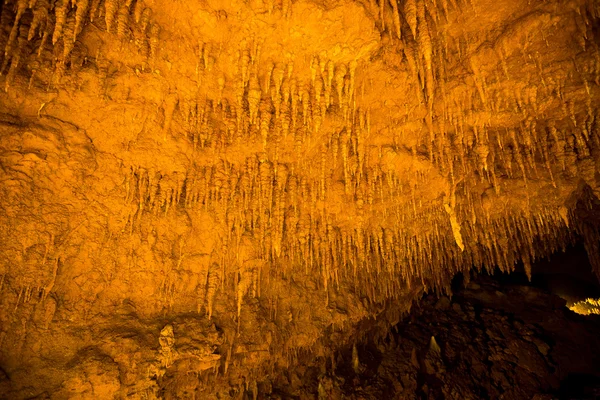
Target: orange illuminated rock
(280,168)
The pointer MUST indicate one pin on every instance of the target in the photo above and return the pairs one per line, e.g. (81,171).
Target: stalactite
(305,99)
(155,40)
(243,286)
(317,119)
(276,94)
(570,157)
(483,151)
(60,12)
(254,96)
(340,74)
(265,121)
(138,9)
(410,13)
(214,276)
(94,8)
(16,59)
(171,102)
(45,37)
(517,154)
(123,21)
(68,39)
(396,18)
(20,7)
(111,7)
(558,145)
(318,90)
(278,76)
(80,16)
(40,18)
(449,206)
(145,22)
(423,37)
(445,8)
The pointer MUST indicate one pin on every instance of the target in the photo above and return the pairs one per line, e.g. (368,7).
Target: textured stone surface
(265,177)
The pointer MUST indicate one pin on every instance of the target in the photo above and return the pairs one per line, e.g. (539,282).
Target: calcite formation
(273,171)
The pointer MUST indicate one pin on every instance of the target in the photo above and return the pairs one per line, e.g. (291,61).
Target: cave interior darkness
(299,199)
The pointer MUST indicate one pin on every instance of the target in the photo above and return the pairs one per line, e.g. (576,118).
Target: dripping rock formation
(197,194)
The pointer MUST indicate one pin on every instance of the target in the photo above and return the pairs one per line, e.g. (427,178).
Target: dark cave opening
(497,336)
(567,274)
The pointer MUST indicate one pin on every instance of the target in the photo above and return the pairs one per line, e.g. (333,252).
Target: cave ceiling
(266,159)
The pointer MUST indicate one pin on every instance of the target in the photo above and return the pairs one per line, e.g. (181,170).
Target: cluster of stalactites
(462,121)
(281,202)
(534,144)
(547,150)
(270,101)
(414,23)
(280,213)
(38,23)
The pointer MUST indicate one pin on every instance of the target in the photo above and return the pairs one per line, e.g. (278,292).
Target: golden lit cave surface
(278,171)
(586,307)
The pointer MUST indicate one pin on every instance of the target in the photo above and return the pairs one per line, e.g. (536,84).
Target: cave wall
(219,186)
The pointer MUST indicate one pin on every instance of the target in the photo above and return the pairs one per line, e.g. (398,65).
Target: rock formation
(204,190)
